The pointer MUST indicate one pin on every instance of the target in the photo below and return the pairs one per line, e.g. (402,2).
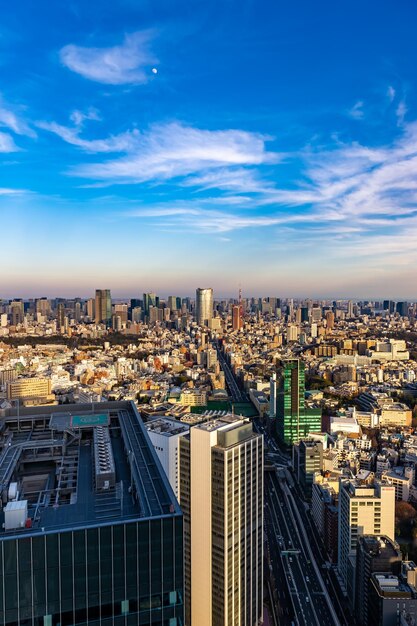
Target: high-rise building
(91,308)
(273,395)
(100,541)
(330,320)
(77,311)
(307,460)
(392,601)
(221,495)
(364,509)
(60,317)
(121,310)
(29,388)
(174,303)
(164,434)
(374,554)
(236,317)
(17,312)
(43,306)
(402,309)
(293,332)
(204,306)
(149,300)
(103,310)
(294,420)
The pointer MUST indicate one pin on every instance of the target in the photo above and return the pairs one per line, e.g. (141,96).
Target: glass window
(52,550)
(65,540)
(10,560)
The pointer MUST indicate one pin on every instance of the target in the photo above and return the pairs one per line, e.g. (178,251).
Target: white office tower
(164,434)
(273,395)
(221,496)
(364,509)
(203,306)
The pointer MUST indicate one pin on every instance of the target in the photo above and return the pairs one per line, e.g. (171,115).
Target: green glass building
(294,420)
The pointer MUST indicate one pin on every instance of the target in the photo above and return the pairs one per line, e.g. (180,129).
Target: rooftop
(166,427)
(389,585)
(80,465)
(375,545)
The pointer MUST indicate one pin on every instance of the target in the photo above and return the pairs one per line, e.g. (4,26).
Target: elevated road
(236,393)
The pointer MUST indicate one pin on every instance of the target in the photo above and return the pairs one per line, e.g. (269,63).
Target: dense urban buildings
(329,385)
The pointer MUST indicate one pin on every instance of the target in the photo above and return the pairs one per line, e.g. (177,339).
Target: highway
(237,394)
(299,585)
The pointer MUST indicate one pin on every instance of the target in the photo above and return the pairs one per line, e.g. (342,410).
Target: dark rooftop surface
(55,458)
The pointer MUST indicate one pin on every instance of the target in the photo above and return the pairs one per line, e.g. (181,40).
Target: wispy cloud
(166,151)
(401,112)
(357,111)
(5,191)
(115,143)
(79,117)
(362,199)
(129,63)
(11,118)
(7,143)
(391,93)
(237,180)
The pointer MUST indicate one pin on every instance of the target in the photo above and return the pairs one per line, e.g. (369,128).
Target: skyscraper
(149,299)
(330,319)
(60,317)
(307,460)
(17,312)
(221,495)
(374,554)
(204,306)
(294,420)
(91,308)
(273,395)
(103,306)
(236,317)
(363,509)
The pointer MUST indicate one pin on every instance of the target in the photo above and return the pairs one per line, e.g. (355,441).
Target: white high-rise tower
(204,306)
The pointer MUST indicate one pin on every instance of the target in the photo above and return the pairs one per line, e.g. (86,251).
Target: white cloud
(115,143)
(7,143)
(237,180)
(12,119)
(166,151)
(357,110)
(360,198)
(5,191)
(129,63)
(391,93)
(401,112)
(79,117)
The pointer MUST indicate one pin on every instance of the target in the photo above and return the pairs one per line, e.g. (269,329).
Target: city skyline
(257,143)
(119,296)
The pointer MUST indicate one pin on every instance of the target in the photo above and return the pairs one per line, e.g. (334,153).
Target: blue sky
(160,145)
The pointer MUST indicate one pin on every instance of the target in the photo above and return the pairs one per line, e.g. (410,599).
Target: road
(236,393)
(310,601)
(298,577)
